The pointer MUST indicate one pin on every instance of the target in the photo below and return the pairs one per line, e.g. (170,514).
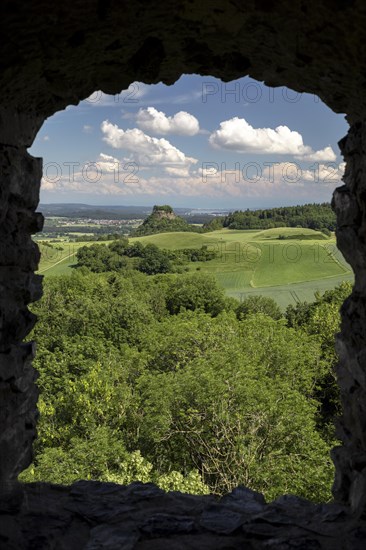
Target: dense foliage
(258,304)
(312,216)
(150,259)
(162,378)
(321,319)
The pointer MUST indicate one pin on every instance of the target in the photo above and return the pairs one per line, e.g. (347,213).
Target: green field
(288,264)
(60,262)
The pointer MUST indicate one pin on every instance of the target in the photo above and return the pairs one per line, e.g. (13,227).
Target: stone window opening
(46,72)
(228,92)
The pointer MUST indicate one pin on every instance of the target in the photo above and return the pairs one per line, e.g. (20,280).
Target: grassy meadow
(288,264)
(59,259)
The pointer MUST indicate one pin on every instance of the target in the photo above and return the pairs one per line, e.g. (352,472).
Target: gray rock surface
(92,516)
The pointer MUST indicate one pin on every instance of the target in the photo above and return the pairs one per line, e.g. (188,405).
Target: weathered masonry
(57,53)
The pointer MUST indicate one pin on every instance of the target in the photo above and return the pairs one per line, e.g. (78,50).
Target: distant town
(77,220)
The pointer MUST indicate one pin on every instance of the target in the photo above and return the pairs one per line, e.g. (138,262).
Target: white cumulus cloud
(108,176)
(154,121)
(179,172)
(325,173)
(323,155)
(144,150)
(236,134)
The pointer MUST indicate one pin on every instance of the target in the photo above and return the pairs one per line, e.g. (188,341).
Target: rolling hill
(289,264)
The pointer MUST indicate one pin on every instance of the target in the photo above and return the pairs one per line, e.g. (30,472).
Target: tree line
(312,216)
(150,259)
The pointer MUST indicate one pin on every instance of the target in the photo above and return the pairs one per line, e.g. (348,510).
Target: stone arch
(54,55)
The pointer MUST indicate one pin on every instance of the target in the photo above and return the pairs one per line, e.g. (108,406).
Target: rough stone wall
(55,54)
(349,203)
(93,516)
(19,196)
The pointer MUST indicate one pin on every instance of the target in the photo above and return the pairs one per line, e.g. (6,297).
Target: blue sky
(199,143)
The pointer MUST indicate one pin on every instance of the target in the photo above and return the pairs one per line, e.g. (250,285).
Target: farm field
(59,259)
(288,264)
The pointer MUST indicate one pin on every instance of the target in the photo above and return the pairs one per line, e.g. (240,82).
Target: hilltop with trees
(162,220)
(312,216)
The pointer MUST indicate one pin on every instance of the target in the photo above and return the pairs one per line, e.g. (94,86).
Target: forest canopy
(312,216)
(163,378)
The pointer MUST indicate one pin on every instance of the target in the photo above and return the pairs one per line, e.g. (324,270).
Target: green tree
(100,257)
(195,291)
(228,410)
(154,260)
(102,456)
(258,304)
(214,400)
(322,320)
(119,246)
